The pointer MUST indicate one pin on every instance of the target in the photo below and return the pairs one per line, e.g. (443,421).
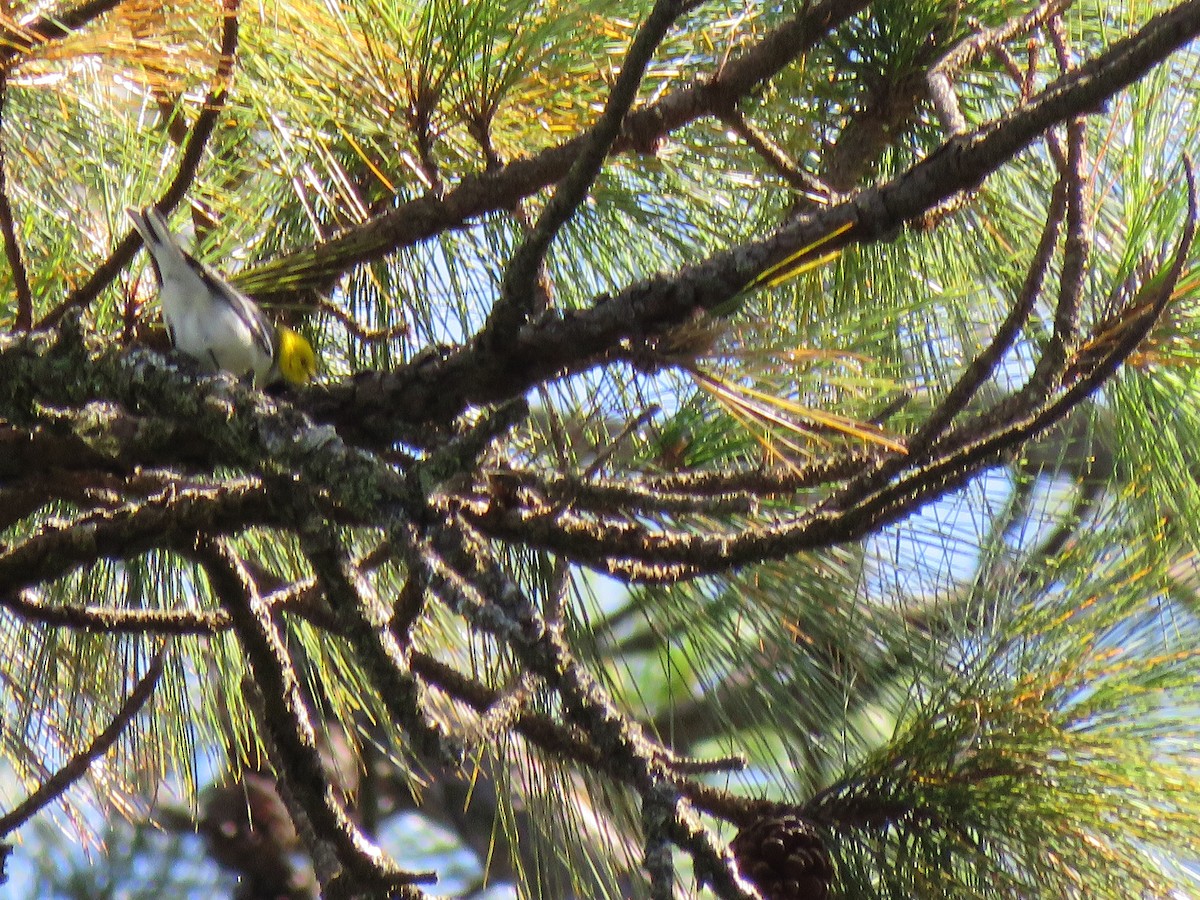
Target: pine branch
(476,195)
(984,363)
(30,608)
(968,51)
(360,618)
(77,766)
(8,229)
(17,39)
(170,519)
(474,586)
(1068,202)
(517,288)
(288,723)
(437,389)
(185,173)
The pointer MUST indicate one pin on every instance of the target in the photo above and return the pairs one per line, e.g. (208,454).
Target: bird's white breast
(211,333)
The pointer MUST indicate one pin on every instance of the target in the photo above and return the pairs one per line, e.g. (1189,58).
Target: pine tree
(753,455)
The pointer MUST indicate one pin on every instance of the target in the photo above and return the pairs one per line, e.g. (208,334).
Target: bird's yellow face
(297,361)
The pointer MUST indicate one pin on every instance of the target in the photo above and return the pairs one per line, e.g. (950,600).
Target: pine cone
(784,858)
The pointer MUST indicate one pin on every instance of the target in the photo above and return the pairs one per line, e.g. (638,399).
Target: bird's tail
(160,242)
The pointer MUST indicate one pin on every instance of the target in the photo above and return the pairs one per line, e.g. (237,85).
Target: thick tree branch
(291,730)
(612,545)
(172,518)
(240,427)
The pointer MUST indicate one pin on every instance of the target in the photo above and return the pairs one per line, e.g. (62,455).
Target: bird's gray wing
(248,311)
(159,239)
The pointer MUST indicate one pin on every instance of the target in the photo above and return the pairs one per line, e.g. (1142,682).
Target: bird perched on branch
(213,322)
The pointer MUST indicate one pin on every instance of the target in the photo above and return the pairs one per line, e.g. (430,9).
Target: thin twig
(973,48)
(295,598)
(1076,249)
(103,620)
(358,330)
(518,287)
(1032,55)
(719,764)
(8,227)
(407,609)
(77,766)
(764,482)
(981,367)
(1077,245)
(774,155)
(633,493)
(171,517)
(362,618)
(507,708)
(461,570)
(957,465)
(185,173)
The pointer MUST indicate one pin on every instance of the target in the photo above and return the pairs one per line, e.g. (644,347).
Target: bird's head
(297,361)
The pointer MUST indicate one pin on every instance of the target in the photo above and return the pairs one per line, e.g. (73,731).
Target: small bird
(213,322)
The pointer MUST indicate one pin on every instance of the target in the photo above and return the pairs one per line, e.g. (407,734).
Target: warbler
(213,322)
